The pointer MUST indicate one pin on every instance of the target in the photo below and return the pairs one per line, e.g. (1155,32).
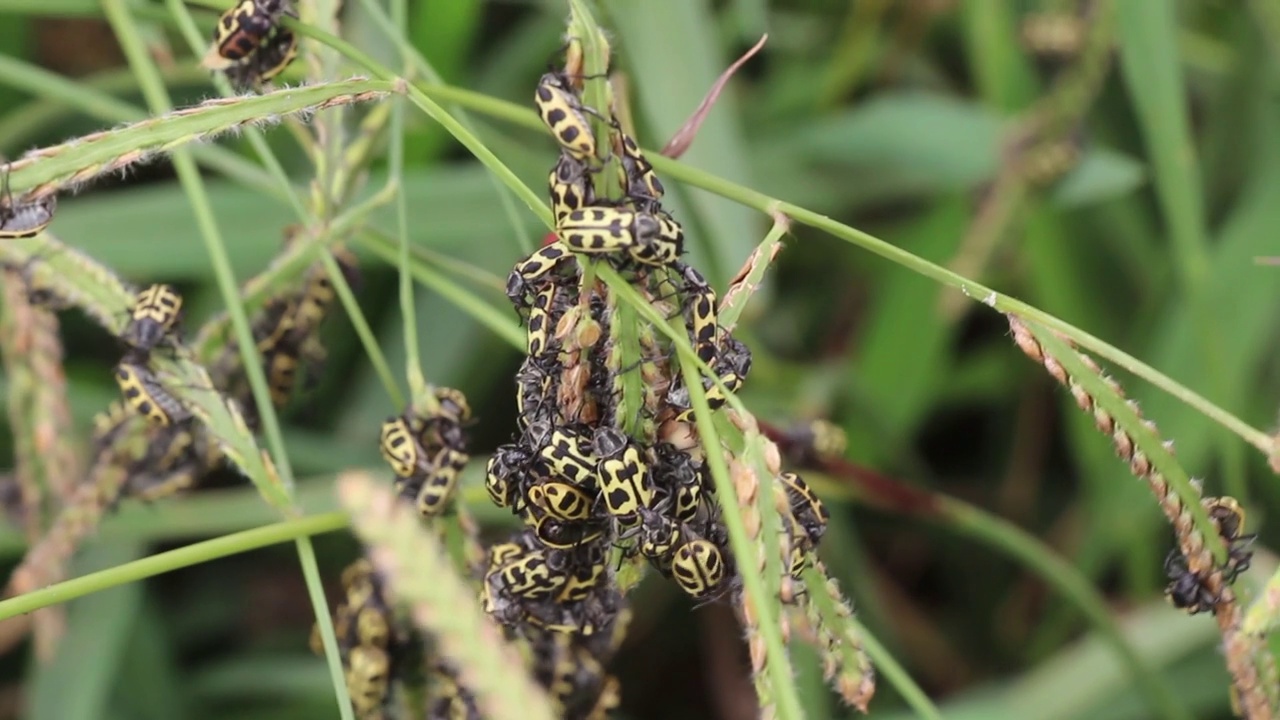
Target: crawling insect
(241,31)
(20,219)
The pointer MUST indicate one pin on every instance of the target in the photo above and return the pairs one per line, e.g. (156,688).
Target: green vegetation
(866,198)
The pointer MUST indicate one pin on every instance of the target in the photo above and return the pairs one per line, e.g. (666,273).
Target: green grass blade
(108,152)
(94,648)
(172,560)
(500,320)
(1151,69)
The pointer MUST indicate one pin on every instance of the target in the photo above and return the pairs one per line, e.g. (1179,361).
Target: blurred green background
(1122,176)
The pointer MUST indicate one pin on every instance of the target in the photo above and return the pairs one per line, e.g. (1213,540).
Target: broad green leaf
(915,143)
(900,371)
(93,650)
(135,232)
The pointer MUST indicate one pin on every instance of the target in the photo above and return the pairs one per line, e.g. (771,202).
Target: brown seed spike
(1104,421)
(1024,339)
(1083,400)
(1140,464)
(1056,370)
(1123,444)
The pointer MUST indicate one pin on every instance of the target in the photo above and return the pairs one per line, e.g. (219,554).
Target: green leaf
(151,686)
(259,675)
(943,143)
(898,374)
(449,207)
(1101,175)
(913,143)
(98,632)
(1149,61)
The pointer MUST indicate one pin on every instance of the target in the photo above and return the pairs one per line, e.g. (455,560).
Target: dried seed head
(1055,369)
(567,322)
(589,333)
(745,423)
(744,480)
(772,458)
(1025,340)
(1083,400)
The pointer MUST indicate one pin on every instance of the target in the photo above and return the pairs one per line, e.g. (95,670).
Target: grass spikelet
(1135,441)
(47,460)
(20,325)
(1269,677)
(70,165)
(747,487)
(44,563)
(764,510)
(49,267)
(572,328)
(78,280)
(1264,613)
(417,572)
(758,610)
(190,382)
(747,281)
(1243,653)
(845,664)
(757,650)
(1151,460)
(785,544)
(1047,126)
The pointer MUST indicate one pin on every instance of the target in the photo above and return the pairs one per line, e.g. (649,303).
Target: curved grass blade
(188,556)
(44,171)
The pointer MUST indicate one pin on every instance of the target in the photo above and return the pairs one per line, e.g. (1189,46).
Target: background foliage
(894,118)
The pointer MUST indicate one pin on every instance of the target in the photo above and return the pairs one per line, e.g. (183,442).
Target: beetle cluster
(380,651)
(632,231)
(250,46)
(1189,591)
(572,670)
(562,603)
(173,452)
(581,483)
(591,472)
(372,646)
(153,320)
(427,450)
(286,333)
